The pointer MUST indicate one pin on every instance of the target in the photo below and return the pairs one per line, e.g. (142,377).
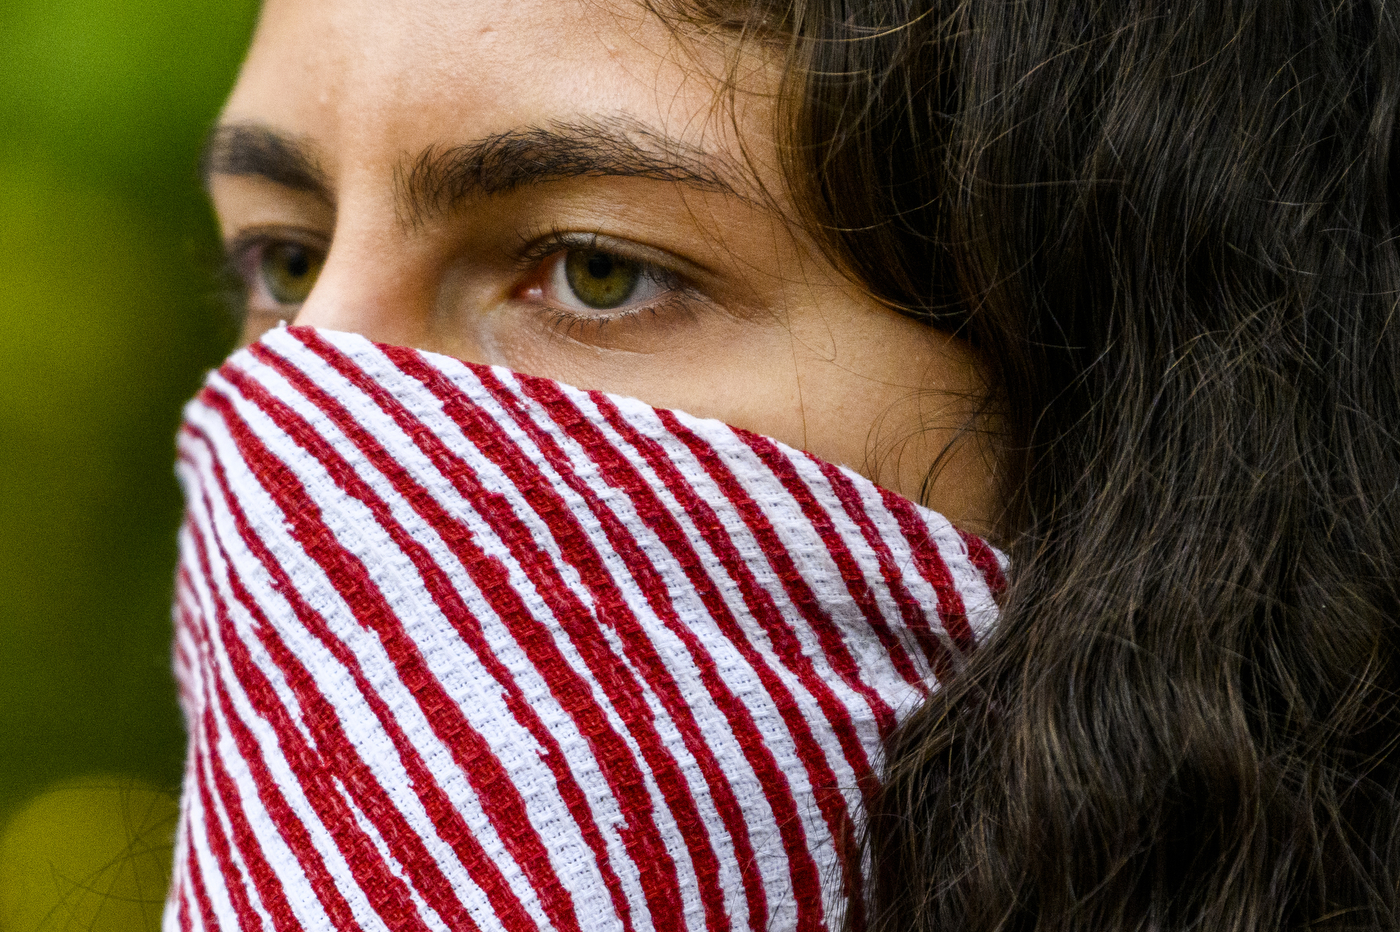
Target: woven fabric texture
(461,649)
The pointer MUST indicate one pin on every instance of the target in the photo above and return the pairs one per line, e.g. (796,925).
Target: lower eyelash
(583,327)
(576,325)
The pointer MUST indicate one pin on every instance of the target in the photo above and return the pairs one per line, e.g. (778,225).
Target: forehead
(361,75)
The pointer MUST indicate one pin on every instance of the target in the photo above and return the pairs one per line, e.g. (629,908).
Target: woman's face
(562,187)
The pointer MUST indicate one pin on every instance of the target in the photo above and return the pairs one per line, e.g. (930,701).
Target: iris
(601,280)
(289,271)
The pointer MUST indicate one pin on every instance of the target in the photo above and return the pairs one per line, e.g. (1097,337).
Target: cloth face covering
(461,649)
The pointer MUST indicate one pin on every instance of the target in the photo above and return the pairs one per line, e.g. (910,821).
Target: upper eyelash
(540,244)
(239,247)
(535,248)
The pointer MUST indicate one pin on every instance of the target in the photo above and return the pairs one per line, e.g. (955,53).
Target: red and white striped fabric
(461,649)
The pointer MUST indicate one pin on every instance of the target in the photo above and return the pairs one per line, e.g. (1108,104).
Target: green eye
(288,271)
(601,280)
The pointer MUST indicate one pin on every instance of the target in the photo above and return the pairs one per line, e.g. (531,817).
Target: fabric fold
(460,648)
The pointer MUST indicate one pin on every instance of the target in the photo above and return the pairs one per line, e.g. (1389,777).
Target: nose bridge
(376,281)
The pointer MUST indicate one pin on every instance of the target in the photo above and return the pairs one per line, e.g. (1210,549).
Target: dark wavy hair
(1168,226)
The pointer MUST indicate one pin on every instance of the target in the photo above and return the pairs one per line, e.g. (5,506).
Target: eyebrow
(619,147)
(441,177)
(244,150)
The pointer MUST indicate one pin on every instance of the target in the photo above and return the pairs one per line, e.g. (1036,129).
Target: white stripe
(211,873)
(643,419)
(739,459)
(181,889)
(452,661)
(733,669)
(816,828)
(490,476)
(189,844)
(251,575)
(919,588)
(978,603)
(332,680)
(462,674)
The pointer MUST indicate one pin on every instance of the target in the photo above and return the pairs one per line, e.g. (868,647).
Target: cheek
(897,402)
(830,382)
(710,364)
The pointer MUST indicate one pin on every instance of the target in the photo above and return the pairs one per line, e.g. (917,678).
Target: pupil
(297,262)
(600,265)
(289,271)
(599,279)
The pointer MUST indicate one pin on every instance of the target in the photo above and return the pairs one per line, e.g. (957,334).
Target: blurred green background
(109,316)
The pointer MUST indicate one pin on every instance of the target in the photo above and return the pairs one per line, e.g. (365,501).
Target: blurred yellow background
(110,313)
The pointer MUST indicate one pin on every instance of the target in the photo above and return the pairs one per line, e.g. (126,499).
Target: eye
(276,273)
(605,281)
(288,271)
(587,281)
(608,292)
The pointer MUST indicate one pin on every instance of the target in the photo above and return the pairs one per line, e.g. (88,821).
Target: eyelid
(540,245)
(240,243)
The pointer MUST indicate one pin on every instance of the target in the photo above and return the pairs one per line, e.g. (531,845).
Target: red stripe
(579,550)
(351,579)
(784,640)
(935,651)
(986,562)
(828,634)
(494,584)
(182,675)
(851,573)
(830,801)
(248,919)
(499,797)
(288,825)
(308,766)
(932,568)
(265,880)
(611,604)
(787,647)
(180,892)
(206,908)
(620,473)
(608,670)
(188,619)
(836,712)
(185,618)
(269,888)
(641,836)
(311,767)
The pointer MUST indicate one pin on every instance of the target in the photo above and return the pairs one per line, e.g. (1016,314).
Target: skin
(739,316)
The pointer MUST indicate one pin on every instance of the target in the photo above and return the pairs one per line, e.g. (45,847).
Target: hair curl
(1169,228)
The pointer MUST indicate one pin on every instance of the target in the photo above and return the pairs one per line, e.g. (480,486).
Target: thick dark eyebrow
(442,177)
(248,150)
